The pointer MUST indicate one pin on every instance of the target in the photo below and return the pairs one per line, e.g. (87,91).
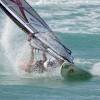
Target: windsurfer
(42,64)
(39,64)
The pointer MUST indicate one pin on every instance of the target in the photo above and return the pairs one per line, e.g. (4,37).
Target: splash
(12,52)
(82,61)
(96,69)
(6,39)
(18,52)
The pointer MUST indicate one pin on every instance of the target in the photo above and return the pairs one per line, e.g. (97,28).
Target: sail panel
(29,18)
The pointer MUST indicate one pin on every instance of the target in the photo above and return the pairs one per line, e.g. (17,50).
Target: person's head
(41,61)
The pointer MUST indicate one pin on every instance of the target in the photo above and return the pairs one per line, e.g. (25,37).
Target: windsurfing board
(72,72)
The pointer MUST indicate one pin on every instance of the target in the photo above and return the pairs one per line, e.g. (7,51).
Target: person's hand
(29,37)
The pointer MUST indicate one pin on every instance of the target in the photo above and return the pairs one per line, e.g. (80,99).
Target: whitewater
(76,23)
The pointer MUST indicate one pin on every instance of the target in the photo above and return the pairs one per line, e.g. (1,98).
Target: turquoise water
(77,25)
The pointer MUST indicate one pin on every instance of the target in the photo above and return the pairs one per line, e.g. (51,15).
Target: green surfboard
(71,72)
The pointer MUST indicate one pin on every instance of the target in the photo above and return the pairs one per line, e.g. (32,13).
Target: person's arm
(44,56)
(29,37)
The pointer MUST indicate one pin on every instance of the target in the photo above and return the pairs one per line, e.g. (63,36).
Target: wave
(91,65)
(95,70)
(38,2)
(73,16)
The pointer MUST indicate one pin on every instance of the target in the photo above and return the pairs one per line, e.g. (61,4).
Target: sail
(29,20)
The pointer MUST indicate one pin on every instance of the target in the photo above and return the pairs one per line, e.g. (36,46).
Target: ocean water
(76,23)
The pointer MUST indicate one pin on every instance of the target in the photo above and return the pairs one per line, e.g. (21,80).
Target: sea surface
(77,25)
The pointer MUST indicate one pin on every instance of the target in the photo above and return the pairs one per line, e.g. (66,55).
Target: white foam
(8,43)
(69,2)
(96,69)
(49,74)
(6,39)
